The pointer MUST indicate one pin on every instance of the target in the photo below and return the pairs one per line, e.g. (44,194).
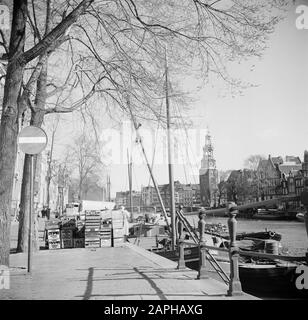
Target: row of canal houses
(185,194)
(279,177)
(273,178)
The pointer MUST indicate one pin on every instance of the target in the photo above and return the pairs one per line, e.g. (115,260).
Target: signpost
(31,140)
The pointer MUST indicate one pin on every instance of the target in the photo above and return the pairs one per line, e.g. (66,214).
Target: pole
(235,287)
(130,181)
(170,162)
(30,215)
(108,188)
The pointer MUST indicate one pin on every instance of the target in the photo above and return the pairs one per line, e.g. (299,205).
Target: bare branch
(4,42)
(56,33)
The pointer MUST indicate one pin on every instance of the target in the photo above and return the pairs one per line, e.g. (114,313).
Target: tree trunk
(48,181)
(22,244)
(9,124)
(10,113)
(80,190)
(37,117)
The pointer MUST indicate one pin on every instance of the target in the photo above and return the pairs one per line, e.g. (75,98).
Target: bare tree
(85,161)
(35,97)
(123,44)
(252,161)
(12,109)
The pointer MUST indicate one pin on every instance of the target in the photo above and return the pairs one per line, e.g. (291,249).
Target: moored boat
(269,280)
(262,279)
(268,214)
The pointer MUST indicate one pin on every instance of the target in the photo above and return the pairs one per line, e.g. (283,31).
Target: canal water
(294,239)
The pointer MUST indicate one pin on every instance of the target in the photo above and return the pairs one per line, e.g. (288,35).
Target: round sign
(32,140)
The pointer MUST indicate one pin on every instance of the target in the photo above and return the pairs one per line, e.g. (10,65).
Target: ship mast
(130,181)
(170,159)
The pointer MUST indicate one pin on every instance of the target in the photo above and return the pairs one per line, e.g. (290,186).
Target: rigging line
(187,155)
(189,144)
(181,150)
(156,138)
(125,189)
(187,139)
(145,159)
(137,183)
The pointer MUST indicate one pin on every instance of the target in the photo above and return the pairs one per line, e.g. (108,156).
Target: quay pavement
(120,273)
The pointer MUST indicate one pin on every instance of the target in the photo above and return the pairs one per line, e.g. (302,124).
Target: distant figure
(126,218)
(44,212)
(201,224)
(48,213)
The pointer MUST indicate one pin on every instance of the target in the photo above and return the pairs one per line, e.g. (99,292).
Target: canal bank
(123,273)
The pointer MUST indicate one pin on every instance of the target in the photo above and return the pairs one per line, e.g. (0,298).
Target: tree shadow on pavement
(89,287)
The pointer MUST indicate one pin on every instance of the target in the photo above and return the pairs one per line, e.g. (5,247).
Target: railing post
(181,261)
(202,274)
(235,287)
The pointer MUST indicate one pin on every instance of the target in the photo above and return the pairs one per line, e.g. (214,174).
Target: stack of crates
(67,231)
(52,228)
(79,235)
(92,229)
(105,234)
(117,229)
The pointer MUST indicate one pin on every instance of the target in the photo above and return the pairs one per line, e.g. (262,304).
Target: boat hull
(284,217)
(269,281)
(264,281)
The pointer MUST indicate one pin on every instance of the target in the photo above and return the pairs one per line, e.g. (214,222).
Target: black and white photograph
(154,154)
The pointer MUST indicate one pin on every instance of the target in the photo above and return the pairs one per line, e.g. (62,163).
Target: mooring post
(181,261)
(202,249)
(235,287)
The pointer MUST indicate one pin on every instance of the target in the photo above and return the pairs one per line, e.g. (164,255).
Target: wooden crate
(117,224)
(92,244)
(92,229)
(66,234)
(67,243)
(117,242)
(52,245)
(117,233)
(105,243)
(78,243)
(69,224)
(105,235)
(92,213)
(53,235)
(91,239)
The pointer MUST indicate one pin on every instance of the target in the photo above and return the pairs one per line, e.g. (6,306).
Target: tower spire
(208,174)
(208,161)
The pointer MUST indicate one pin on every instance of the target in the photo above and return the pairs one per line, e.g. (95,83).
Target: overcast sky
(268,119)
